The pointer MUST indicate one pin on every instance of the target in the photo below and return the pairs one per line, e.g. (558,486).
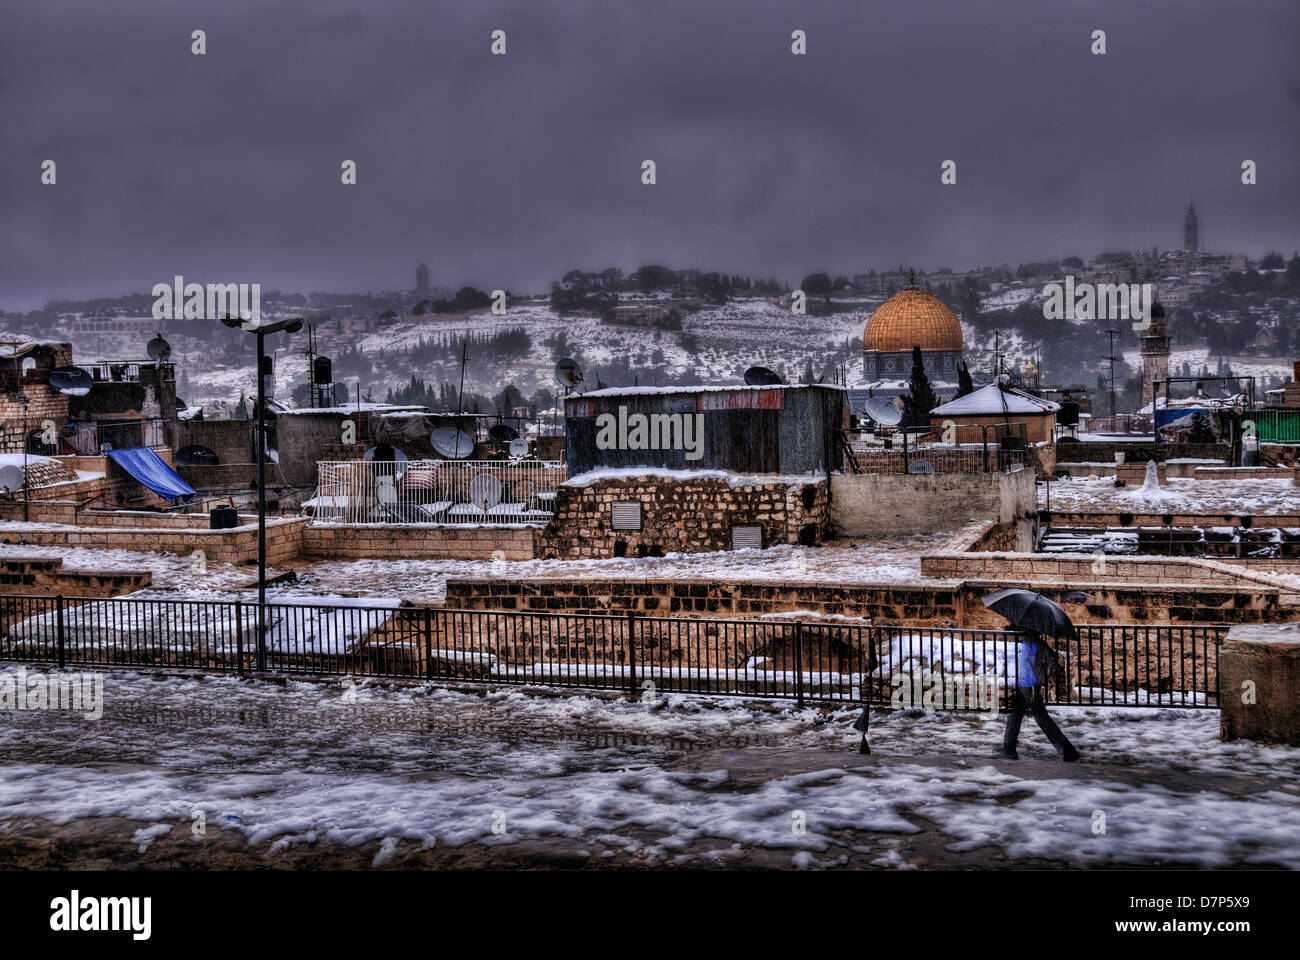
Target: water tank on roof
(223,518)
(322,370)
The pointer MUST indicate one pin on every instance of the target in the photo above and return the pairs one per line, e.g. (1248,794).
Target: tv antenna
(1112,334)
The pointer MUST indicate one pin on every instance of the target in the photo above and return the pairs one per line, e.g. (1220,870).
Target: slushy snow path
(673,781)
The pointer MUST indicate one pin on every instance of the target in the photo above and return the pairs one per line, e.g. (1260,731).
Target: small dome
(912,318)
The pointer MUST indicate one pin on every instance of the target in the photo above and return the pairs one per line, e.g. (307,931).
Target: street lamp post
(288,325)
(27,514)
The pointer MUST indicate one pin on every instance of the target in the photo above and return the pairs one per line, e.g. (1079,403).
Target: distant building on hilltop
(1191,242)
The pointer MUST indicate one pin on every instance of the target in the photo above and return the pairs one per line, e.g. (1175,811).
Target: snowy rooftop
(1177,495)
(354,407)
(729,388)
(733,479)
(994,400)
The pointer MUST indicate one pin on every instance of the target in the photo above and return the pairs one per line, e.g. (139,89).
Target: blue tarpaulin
(151,470)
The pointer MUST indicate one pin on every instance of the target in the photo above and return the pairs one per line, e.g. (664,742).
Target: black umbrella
(1031,611)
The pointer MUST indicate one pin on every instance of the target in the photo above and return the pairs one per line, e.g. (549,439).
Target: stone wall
(46,576)
(328,541)
(230,440)
(1065,568)
(682,514)
(1245,473)
(238,545)
(889,603)
(1103,518)
(43,404)
(870,504)
(938,604)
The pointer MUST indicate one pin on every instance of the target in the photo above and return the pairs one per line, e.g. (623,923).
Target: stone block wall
(686,515)
(238,545)
(938,604)
(1106,518)
(46,576)
(326,541)
(873,504)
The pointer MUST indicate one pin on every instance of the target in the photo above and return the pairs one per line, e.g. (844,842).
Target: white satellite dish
(518,448)
(567,373)
(485,491)
(883,412)
(11,478)
(451,443)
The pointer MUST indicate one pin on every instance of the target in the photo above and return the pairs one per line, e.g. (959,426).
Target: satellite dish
(383,454)
(485,491)
(451,443)
(500,433)
(568,374)
(71,380)
(518,448)
(160,350)
(762,377)
(883,412)
(920,466)
(196,455)
(11,478)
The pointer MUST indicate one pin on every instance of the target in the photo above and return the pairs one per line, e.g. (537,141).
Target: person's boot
(1069,754)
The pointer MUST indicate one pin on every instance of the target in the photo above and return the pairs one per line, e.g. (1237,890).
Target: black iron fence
(784,658)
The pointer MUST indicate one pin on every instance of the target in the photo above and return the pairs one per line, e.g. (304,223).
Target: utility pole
(1111,383)
(997,353)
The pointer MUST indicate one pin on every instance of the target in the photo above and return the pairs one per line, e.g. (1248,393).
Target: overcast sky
(506,171)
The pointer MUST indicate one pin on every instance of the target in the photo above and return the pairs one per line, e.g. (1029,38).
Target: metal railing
(125,371)
(84,438)
(872,458)
(780,658)
(436,491)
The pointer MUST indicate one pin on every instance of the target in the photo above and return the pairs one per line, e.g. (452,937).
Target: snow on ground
(887,560)
(210,580)
(1177,495)
(1262,368)
(723,342)
(661,782)
(896,560)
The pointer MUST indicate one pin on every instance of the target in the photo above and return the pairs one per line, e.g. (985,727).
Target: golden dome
(912,318)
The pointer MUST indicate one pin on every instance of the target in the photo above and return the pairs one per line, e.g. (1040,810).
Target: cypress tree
(921,399)
(964,383)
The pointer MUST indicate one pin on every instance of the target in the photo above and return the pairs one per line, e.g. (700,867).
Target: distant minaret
(1155,353)
(1190,243)
(422,281)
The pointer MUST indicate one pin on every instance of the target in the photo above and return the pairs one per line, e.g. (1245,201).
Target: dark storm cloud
(507,171)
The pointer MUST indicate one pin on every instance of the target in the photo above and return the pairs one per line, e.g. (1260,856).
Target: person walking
(1036,665)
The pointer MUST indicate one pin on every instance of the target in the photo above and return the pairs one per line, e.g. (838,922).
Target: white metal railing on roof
(436,491)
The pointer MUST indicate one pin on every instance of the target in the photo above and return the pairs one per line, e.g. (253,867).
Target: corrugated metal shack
(786,429)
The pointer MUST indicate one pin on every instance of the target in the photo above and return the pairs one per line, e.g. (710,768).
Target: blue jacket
(1035,662)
